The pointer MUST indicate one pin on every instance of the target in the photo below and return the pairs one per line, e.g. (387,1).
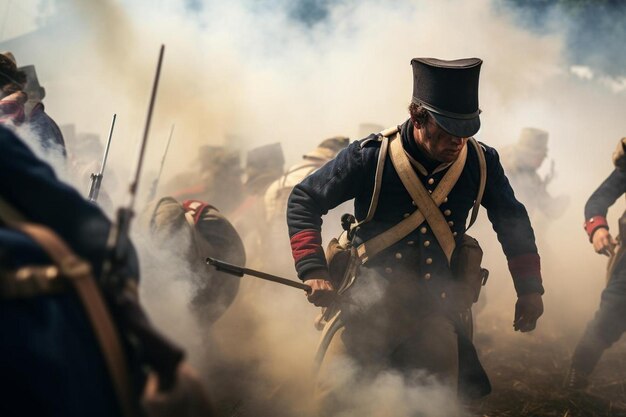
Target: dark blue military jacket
(351,175)
(50,361)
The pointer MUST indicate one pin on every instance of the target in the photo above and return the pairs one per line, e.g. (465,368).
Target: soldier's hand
(603,242)
(528,308)
(322,292)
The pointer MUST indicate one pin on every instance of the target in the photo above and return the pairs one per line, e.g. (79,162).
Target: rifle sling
(482,166)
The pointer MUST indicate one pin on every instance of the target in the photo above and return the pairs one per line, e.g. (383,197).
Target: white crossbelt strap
(421,197)
(372,247)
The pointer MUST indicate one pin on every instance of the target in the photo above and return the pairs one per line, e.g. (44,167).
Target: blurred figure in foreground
(74,341)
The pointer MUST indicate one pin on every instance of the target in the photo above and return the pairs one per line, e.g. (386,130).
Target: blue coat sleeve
(605,196)
(336,182)
(512,225)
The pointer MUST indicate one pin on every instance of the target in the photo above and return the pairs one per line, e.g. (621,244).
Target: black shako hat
(449,91)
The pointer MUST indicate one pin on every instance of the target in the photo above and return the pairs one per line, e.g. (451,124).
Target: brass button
(450,223)
(410,242)
(443,295)
(51,272)
(454,234)
(430,191)
(427,276)
(388,270)
(398,255)
(413,202)
(427,243)
(431,181)
(445,200)
(406,215)
(447,212)
(429,261)
(423,230)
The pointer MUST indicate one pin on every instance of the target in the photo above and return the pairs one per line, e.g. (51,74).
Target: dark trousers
(607,325)
(50,361)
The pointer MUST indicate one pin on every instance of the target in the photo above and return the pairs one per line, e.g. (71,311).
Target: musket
(158,352)
(96,179)
(119,232)
(241,271)
(155,183)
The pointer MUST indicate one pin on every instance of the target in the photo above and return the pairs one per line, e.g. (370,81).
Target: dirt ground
(527,372)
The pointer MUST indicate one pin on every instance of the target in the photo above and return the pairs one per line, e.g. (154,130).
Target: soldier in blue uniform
(50,359)
(410,319)
(608,323)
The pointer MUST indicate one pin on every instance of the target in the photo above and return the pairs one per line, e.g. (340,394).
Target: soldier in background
(195,230)
(21,106)
(12,96)
(264,165)
(38,120)
(277,194)
(521,162)
(84,154)
(608,324)
(216,177)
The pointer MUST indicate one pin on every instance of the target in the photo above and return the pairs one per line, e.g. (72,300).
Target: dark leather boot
(576,380)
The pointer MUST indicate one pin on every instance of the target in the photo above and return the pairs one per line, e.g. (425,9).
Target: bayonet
(155,183)
(96,178)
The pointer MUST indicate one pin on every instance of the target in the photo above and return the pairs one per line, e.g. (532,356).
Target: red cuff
(594,224)
(525,266)
(195,207)
(305,243)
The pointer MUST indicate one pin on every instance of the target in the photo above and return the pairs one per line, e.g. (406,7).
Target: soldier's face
(436,142)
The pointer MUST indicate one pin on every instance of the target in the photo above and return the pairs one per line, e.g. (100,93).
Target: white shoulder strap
(482,164)
(378,179)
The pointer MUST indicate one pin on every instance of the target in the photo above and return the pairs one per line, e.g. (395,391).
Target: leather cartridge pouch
(466,268)
(338,259)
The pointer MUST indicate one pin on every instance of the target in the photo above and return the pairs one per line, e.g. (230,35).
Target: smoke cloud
(298,72)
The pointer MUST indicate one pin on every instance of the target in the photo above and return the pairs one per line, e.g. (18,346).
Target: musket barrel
(146,131)
(241,271)
(106,150)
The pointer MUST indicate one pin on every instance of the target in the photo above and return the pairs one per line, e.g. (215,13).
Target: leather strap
(79,274)
(367,250)
(482,165)
(378,180)
(422,198)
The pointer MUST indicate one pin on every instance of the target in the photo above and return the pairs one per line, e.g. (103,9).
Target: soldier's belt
(32,281)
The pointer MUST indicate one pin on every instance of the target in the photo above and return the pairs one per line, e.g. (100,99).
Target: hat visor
(462,128)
